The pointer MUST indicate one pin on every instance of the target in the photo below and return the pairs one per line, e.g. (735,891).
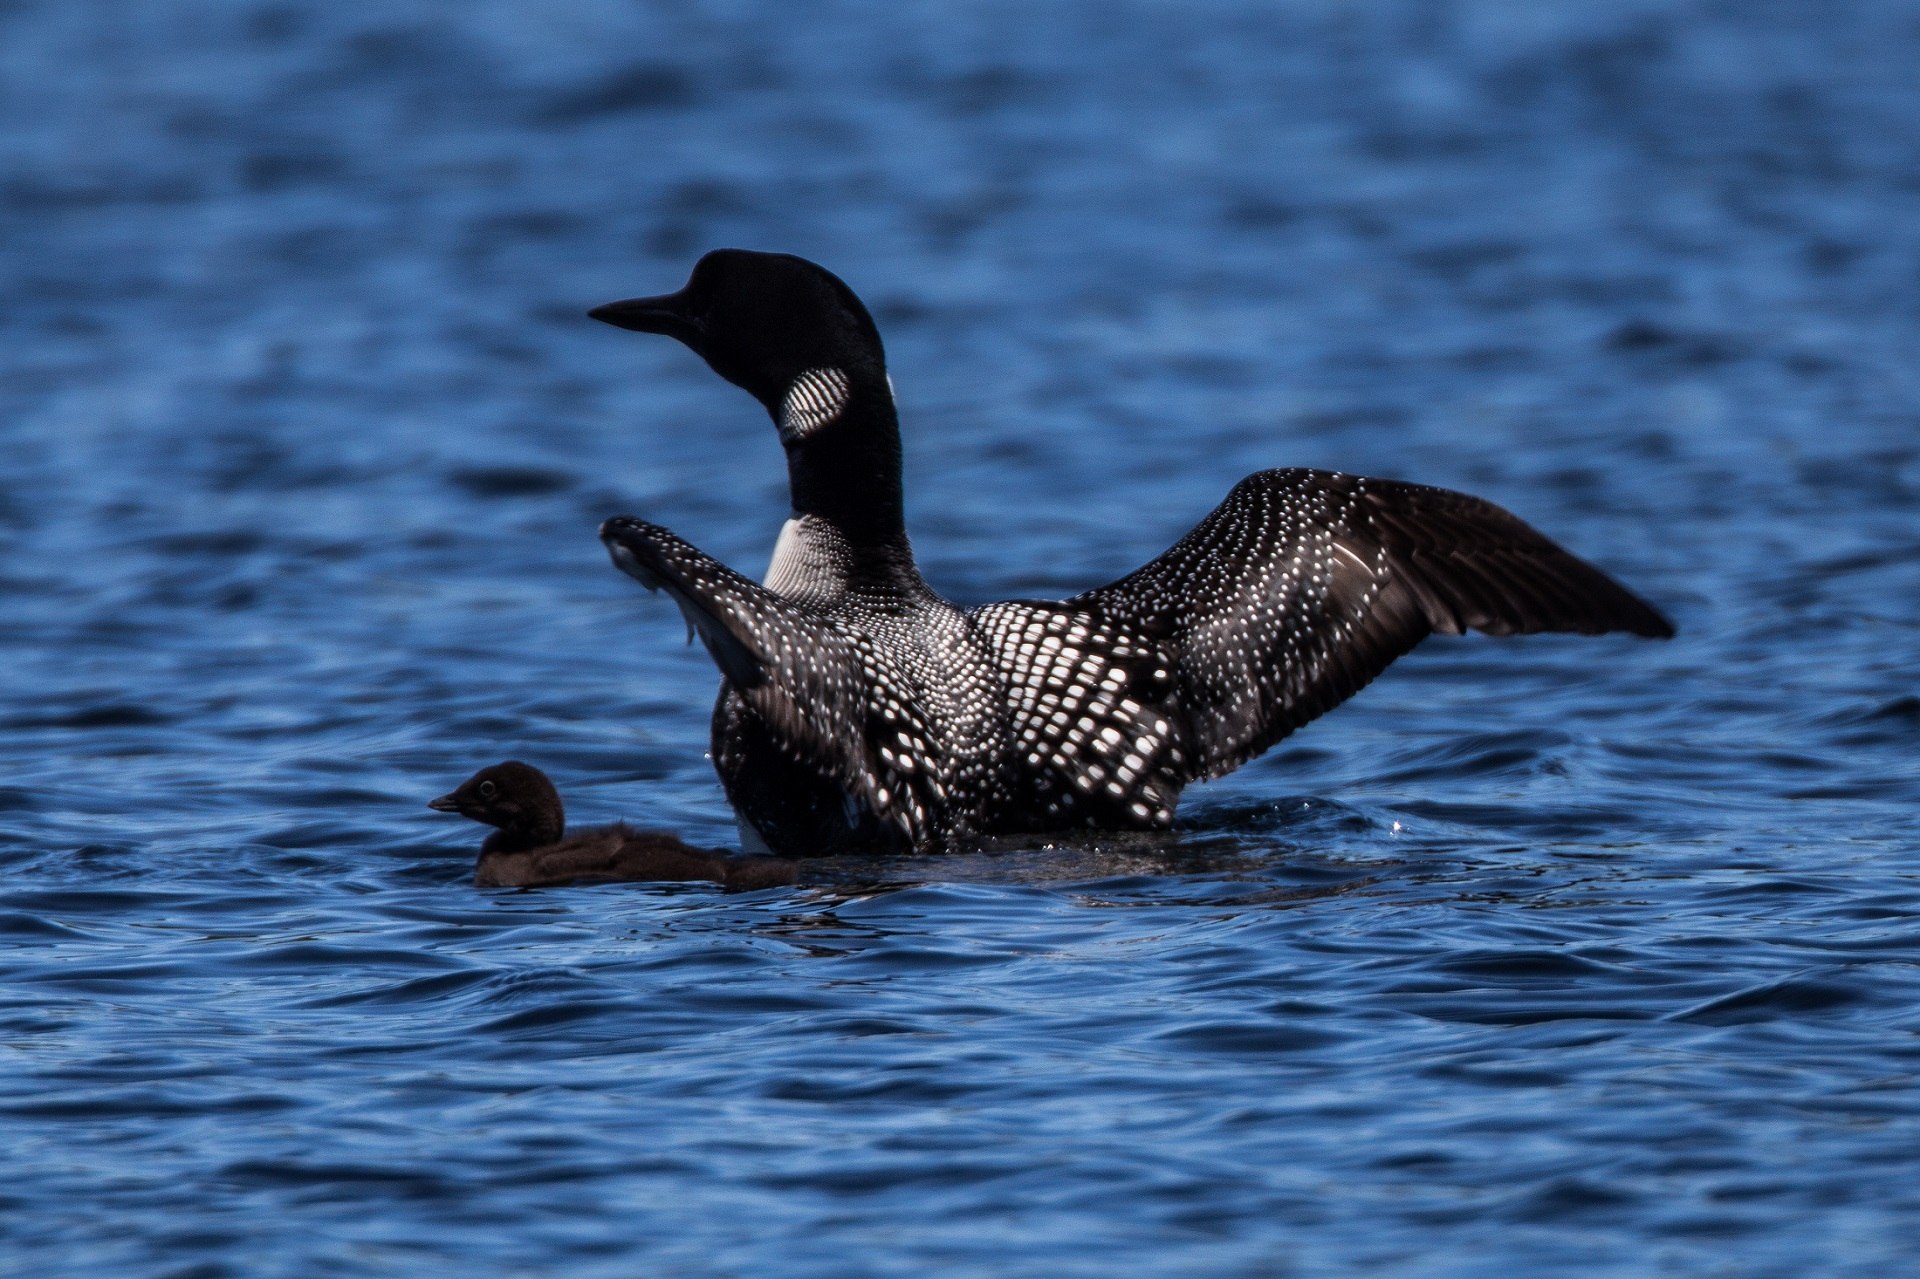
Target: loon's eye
(487,790)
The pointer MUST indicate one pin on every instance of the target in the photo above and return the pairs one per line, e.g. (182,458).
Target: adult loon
(860,710)
(531,849)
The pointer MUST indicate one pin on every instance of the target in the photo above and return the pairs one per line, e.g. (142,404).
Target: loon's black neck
(848,471)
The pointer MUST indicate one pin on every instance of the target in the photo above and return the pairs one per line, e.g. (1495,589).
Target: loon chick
(532,850)
(860,710)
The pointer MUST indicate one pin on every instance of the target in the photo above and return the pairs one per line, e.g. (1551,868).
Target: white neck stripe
(816,398)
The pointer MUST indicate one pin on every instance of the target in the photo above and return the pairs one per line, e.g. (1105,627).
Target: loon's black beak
(445,804)
(664,314)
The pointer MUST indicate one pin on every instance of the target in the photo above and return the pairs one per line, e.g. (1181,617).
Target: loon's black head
(777,325)
(516,797)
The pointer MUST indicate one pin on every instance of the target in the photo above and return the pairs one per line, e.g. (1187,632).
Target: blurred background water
(1542,956)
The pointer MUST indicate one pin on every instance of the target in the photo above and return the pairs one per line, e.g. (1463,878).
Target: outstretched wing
(789,664)
(1303,585)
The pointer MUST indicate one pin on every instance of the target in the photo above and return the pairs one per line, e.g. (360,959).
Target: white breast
(809,562)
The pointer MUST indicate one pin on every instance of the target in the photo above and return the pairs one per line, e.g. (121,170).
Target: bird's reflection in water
(1215,869)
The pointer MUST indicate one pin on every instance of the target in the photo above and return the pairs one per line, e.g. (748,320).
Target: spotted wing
(1303,585)
(791,666)
(1093,736)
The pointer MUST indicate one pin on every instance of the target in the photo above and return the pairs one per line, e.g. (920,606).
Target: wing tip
(1613,609)
(1652,624)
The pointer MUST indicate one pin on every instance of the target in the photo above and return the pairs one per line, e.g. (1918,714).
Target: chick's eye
(487,790)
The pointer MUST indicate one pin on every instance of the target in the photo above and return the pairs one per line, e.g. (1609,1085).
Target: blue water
(1545,956)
